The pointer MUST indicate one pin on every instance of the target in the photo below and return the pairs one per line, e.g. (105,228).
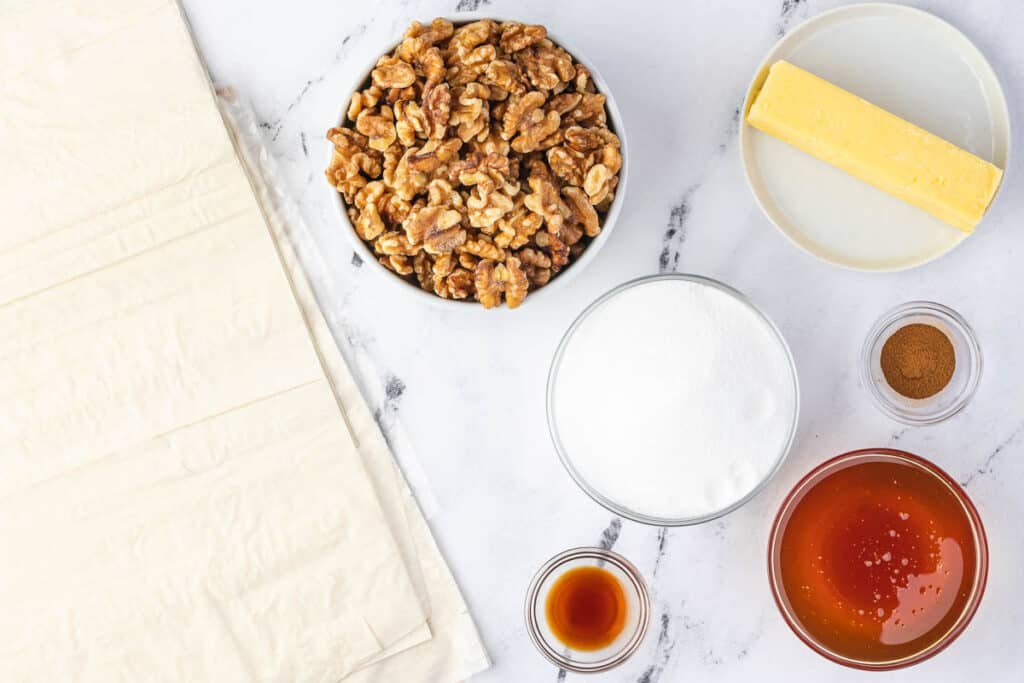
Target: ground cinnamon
(918,360)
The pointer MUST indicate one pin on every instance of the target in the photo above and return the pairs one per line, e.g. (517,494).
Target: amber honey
(586,608)
(878,561)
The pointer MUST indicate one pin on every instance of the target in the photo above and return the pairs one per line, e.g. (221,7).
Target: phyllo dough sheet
(455,651)
(181,497)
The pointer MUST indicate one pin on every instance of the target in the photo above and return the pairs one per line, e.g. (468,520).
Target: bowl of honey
(587,610)
(877,559)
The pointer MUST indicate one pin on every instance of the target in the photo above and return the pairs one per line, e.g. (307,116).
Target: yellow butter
(875,146)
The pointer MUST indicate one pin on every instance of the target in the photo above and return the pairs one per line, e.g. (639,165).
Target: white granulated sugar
(674,399)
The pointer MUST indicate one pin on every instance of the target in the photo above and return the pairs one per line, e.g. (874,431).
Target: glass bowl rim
(975,362)
(980,541)
(636,579)
(566,460)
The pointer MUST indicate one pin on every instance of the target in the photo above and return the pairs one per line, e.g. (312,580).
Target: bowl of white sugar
(672,400)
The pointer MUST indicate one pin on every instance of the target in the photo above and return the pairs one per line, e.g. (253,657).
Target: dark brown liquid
(586,608)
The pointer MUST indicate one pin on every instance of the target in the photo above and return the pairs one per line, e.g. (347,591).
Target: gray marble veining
(467,388)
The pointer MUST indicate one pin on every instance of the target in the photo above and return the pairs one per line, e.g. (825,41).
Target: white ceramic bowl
(557,282)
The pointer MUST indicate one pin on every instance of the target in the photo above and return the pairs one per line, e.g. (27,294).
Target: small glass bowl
(638,604)
(961,387)
(831,467)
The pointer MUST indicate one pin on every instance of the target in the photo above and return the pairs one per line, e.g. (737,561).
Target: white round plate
(906,61)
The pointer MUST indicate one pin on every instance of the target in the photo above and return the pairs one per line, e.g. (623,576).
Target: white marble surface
(468,386)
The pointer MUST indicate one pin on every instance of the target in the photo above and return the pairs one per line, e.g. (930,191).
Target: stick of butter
(874,146)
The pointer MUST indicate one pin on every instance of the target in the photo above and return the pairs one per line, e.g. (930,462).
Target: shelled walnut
(476,161)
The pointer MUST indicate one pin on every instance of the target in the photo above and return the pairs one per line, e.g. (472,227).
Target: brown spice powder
(918,360)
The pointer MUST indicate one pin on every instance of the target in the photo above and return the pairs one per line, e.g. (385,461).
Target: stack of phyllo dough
(192,485)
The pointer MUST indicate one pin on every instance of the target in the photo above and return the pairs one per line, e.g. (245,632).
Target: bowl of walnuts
(478,162)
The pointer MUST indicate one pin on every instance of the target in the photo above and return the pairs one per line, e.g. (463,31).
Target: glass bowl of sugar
(672,400)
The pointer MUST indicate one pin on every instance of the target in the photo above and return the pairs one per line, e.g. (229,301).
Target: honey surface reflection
(877,561)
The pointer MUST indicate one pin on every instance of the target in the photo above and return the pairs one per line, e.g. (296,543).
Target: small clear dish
(951,399)
(638,611)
